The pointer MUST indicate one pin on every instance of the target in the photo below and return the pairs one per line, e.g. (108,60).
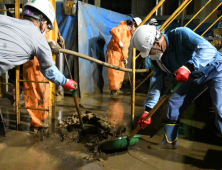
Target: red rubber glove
(182,74)
(141,123)
(70,84)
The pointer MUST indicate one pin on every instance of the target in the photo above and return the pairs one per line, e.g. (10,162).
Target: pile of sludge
(95,130)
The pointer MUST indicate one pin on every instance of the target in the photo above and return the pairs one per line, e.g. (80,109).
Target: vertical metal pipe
(17,91)
(197,13)
(133,85)
(160,10)
(51,117)
(97,3)
(207,17)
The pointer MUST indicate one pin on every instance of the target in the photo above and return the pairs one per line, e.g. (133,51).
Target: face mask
(156,56)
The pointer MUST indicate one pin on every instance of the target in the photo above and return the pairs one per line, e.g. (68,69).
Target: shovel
(132,139)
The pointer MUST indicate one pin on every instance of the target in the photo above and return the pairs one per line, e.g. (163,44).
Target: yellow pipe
(144,80)
(33,108)
(7,83)
(33,81)
(211,25)
(207,16)
(176,16)
(151,12)
(175,12)
(6,10)
(17,91)
(197,13)
(51,117)
(133,84)
(137,55)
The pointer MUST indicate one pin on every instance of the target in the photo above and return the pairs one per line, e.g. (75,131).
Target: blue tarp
(94,24)
(66,26)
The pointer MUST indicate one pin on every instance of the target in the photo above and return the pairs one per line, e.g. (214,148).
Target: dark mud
(95,130)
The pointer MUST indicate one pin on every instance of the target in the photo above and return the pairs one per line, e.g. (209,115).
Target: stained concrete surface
(200,144)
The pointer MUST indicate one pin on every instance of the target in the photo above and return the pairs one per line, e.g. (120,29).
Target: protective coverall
(183,47)
(114,54)
(36,95)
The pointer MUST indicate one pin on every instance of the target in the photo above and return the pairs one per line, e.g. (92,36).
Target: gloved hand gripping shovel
(131,140)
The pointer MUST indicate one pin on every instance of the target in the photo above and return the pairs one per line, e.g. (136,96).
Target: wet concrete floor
(200,145)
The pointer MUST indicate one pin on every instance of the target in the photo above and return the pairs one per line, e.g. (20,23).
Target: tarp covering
(67,29)
(94,24)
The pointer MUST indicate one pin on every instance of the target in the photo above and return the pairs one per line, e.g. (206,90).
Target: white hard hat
(137,20)
(45,7)
(144,38)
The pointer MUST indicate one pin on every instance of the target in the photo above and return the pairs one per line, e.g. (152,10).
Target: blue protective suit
(183,47)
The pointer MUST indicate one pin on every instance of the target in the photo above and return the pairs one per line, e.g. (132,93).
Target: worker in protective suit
(193,60)
(36,95)
(26,40)
(121,36)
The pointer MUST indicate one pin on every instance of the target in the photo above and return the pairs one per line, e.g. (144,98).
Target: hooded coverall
(36,95)
(183,47)
(114,54)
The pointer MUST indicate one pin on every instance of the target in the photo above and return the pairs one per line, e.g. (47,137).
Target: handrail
(31,108)
(151,13)
(211,25)
(175,12)
(176,15)
(1,10)
(207,17)
(33,81)
(197,13)
(144,80)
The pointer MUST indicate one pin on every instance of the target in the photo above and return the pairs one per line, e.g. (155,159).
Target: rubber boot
(170,139)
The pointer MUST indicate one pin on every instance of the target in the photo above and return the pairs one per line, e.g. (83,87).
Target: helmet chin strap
(42,19)
(42,31)
(161,49)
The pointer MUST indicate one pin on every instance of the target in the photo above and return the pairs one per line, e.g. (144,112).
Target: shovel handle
(160,102)
(74,94)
